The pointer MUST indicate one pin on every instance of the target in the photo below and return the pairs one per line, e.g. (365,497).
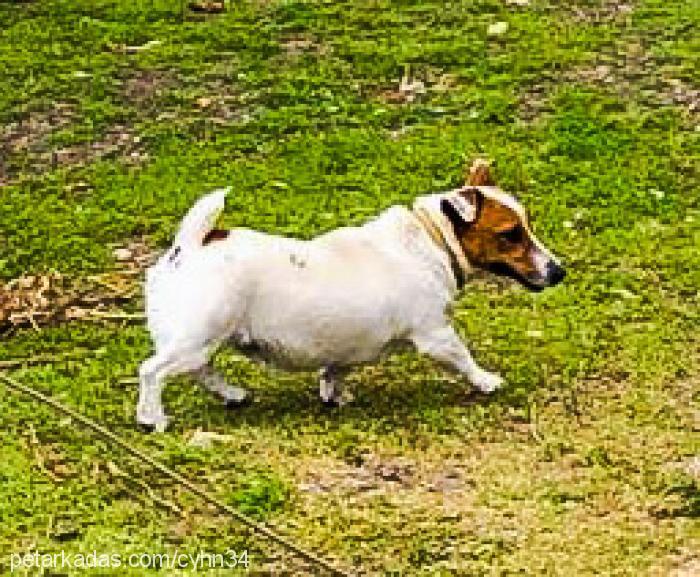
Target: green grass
(581,465)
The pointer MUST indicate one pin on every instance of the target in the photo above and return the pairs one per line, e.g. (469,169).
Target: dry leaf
(497,28)
(205,439)
(122,254)
(207,6)
(134,49)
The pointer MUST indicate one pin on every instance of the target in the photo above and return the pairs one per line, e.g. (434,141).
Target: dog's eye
(513,235)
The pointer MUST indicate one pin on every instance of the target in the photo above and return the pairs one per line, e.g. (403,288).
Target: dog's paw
(149,421)
(486,382)
(330,404)
(144,428)
(157,427)
(238,403)
(234,397)
(338,399)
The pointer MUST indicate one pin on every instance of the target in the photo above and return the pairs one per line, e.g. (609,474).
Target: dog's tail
(200,219)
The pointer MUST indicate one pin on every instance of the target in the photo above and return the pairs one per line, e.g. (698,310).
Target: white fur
(333,301)
(201,219)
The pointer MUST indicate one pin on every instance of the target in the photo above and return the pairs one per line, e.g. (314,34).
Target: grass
(585,464)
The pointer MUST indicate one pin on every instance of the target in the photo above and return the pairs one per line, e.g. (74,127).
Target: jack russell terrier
(334,301)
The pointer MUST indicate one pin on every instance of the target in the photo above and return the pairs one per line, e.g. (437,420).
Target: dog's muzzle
(555,273)
(552,275)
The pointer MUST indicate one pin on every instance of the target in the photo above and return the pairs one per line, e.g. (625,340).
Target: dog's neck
(437,237)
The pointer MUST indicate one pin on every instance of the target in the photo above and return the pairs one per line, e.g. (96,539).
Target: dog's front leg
(444,345)
(149,410)
(152,375)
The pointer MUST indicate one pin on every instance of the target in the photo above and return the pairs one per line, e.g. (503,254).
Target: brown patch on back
(214,235)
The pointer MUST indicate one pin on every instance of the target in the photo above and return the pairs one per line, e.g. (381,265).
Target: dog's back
(285,294)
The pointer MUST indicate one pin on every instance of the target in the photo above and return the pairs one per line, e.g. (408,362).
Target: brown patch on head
(499,239)
(499,236)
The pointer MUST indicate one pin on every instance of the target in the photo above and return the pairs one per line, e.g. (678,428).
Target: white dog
(334,301)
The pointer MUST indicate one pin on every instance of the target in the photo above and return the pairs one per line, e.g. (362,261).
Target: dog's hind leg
(215,382)
(152,374)
(330,386)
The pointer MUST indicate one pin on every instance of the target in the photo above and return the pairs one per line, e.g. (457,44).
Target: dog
(337,300)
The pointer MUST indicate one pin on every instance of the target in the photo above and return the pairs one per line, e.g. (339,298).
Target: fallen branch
(116,316)
(41,359)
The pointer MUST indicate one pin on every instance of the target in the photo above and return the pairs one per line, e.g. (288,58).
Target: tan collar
(436,235)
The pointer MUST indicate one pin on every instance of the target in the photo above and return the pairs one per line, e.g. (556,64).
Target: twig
(41,463)
(163,502)
(115,440)
(119,292)
(117,316)
(533,423)
(33,322)
(40,359)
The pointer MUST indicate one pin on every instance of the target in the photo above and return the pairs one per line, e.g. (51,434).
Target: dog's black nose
(555,273)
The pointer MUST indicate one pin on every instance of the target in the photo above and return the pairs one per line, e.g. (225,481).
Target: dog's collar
(436,235)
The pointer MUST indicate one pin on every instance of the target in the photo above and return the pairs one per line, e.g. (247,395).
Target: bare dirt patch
(297,45)
(118,140)
(207,7)
(378,474)
(31,130)
(374,474)
(134,257)
(600,12)
(687,566)
(144,86)
(635,72)
(214,98)
(682,94)
(26,147)
(38,300)
(221,106)
(689,569)
(29,136)
(30,151)
(629,71)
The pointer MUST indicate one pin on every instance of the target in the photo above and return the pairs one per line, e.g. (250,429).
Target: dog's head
(491,231)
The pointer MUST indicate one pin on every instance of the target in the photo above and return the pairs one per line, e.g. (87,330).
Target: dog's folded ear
(479,173)
(462,207)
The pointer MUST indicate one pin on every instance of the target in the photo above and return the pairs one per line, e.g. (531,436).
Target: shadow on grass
(388,398)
